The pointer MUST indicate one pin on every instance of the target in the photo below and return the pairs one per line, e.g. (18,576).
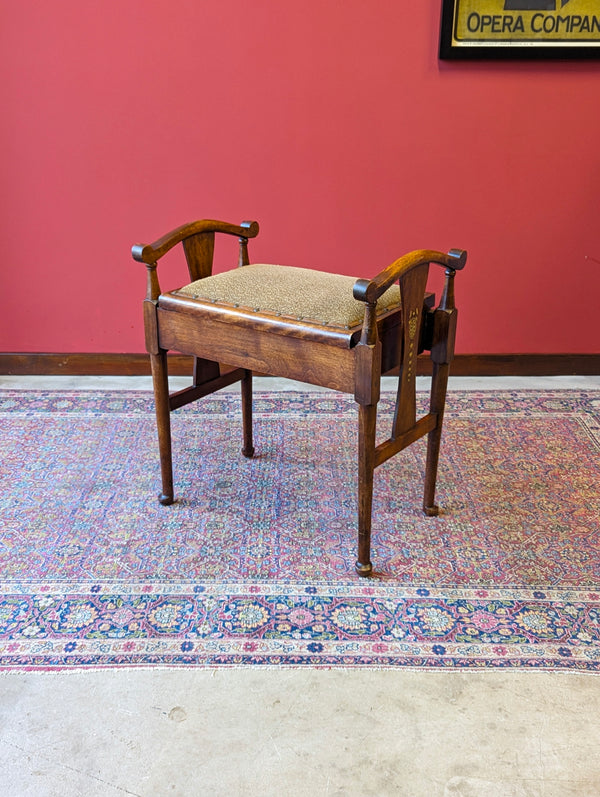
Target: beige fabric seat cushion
(301,294)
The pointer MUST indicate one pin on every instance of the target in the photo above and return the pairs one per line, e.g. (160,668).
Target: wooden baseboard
(523,365)
(181,365)
(88,364)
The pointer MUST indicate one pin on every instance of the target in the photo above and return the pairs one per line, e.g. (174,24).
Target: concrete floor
(299,732)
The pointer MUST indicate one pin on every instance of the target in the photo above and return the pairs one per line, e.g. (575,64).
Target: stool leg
(248,449)
(439,384)
(163,421)
(367,420)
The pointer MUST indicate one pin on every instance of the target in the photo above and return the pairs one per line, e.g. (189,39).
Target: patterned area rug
(254,563)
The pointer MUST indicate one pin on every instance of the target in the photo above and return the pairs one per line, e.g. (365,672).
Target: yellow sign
(572,23)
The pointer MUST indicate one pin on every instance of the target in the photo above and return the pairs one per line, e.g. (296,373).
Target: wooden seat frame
(228,344)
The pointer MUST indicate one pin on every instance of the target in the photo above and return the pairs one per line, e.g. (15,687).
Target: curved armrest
(150,253)
(370,290)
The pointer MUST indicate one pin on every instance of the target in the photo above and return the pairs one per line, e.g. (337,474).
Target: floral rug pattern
(253,565)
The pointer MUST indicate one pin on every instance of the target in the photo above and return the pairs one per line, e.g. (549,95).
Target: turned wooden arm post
(446,314)
(243,259)
(447,300)
(369,331)
(152,283)
(368,359)
(150,302)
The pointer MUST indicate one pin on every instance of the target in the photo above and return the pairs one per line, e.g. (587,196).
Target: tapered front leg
(248,449)
(163,422)
(439,384)
(367,420)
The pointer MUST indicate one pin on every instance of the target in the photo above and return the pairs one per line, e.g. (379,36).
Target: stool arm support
(370,290)
(150,253)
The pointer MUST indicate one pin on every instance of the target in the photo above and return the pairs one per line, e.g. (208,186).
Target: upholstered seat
(318,327)
(287,293)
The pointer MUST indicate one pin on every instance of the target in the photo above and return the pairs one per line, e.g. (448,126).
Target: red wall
(331,123)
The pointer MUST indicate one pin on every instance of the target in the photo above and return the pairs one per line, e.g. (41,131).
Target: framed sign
(520,29)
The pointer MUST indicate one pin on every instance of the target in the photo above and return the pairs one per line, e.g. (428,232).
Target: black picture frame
(518,30)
